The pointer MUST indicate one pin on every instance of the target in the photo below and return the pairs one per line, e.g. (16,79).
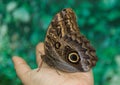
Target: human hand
(47,75)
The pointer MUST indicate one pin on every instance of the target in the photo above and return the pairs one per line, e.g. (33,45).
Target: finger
(39,52)
(87,78)
(21,68)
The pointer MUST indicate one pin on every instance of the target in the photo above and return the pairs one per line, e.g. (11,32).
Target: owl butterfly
(66,49)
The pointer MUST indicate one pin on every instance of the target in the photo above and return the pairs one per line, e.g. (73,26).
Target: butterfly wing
(63,43)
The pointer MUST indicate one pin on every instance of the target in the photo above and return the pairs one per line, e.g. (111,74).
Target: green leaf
(21,14)
(115,14)
(11,6)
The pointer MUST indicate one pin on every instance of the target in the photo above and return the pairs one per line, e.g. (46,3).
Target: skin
(46,75)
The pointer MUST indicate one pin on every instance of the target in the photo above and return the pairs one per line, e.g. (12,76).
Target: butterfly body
(66,49)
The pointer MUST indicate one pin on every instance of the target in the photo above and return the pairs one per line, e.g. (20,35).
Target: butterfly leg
(40,65)
(57,72)
(41,62)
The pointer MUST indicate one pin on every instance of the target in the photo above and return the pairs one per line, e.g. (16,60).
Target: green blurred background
(23,24)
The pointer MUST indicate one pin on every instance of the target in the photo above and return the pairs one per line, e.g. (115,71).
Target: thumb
(21,68)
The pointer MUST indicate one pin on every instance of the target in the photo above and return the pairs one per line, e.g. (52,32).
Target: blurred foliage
(23,24)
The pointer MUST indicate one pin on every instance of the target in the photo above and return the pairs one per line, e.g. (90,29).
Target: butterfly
(66,49)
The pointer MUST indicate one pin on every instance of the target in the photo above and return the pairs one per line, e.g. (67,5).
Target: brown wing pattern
(65,48)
